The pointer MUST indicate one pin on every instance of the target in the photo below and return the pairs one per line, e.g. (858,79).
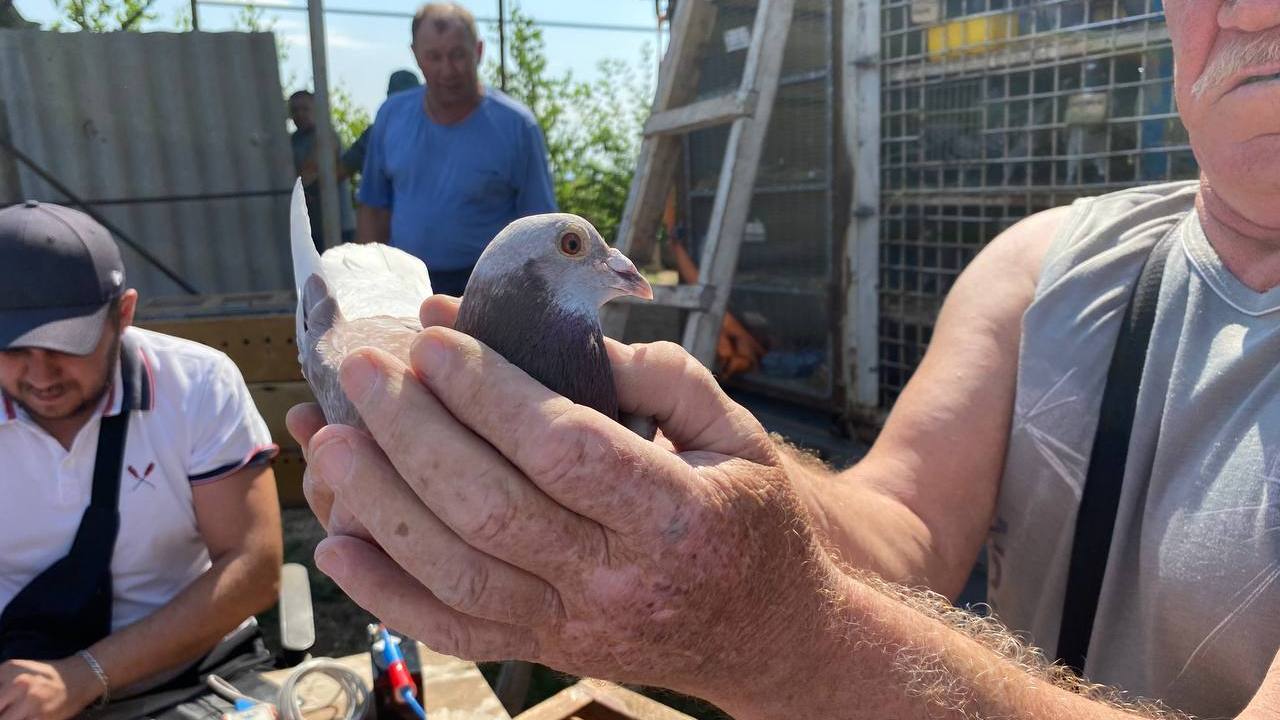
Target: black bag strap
(1100,499)
(112,432)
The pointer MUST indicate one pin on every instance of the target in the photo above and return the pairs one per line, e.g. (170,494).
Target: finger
(663,441)
(465,482)
(344,522)
(439,310)
(335,517)
(666,383)
(461,576)
(13,703)
(582,459)
(377,584)
(303,421)
(318,496)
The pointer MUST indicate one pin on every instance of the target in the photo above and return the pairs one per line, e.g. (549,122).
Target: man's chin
(63,408)
(55,410)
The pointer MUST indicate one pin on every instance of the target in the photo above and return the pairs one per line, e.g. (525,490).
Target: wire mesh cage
(784,286)
(996,109)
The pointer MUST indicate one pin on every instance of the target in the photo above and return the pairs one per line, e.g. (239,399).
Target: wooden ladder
(748,109)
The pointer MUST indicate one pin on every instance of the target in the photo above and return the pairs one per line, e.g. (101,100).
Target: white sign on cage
(926,12)
(736,39)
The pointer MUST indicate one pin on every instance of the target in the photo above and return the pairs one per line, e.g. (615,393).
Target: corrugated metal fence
(179,139)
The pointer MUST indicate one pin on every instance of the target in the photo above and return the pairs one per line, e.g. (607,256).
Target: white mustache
(1240,55)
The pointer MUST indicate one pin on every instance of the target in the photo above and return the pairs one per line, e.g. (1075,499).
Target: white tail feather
(306,261)
(365,280)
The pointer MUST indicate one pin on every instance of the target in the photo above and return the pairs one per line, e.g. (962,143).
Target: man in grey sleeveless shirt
(739,572)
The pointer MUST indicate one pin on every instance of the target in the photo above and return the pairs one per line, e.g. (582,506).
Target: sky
(363,51)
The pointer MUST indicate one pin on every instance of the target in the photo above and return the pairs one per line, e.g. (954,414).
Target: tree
(349,119)
(102,15)
(592,129)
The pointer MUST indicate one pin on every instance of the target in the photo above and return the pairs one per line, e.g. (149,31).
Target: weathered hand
(507,522)
(31,690)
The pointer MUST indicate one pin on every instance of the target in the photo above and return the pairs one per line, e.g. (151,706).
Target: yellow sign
(971,36)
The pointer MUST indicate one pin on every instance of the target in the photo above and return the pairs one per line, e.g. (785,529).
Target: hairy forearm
(873,649)
(864,527)
(236,586)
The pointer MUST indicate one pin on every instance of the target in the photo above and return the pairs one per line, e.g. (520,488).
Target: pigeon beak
(626,279)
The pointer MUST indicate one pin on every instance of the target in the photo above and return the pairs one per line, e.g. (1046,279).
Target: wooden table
(455,690)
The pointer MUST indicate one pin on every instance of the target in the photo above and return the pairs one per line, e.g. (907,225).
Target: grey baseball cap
(59,272)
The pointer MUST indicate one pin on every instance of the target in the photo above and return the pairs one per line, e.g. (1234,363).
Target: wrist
(802,668)
(86,680)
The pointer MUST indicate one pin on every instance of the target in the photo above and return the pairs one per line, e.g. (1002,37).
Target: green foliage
(350,120)
(592,129)
(182,21)
(102,15)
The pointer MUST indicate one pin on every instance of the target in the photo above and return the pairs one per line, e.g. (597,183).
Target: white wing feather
(375,280)
(369,297)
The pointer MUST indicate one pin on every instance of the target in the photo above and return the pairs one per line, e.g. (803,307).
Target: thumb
(439,310)
(662,381)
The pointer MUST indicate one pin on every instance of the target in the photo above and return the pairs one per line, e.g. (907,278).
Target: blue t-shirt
(451,188)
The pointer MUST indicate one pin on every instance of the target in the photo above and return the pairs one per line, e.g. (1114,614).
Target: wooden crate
(274,400)
(599,700)
(255,330)
(288,467)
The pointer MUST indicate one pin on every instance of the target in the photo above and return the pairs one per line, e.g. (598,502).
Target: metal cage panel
(996,109)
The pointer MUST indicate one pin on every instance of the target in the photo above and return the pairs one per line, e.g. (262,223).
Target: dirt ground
(340,623)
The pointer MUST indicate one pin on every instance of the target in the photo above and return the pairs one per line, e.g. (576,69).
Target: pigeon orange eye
(570,244)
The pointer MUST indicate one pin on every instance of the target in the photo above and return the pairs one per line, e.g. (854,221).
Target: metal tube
(195,15)
(502,45)
(326,143)
(861,62)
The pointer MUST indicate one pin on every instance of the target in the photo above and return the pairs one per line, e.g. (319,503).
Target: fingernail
(330,562)
(430,355)
(358,376)
(333,461)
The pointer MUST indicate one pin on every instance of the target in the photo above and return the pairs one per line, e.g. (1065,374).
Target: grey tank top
(1190,606)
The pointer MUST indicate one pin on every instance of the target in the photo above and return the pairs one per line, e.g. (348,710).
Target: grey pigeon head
(535,298)
(568,254)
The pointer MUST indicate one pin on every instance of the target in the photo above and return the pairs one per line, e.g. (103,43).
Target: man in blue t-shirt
(450,164)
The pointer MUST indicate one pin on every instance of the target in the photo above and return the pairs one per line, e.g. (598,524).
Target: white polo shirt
(193,423)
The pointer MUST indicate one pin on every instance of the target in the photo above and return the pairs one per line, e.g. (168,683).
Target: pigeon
(535,296)
(351,297)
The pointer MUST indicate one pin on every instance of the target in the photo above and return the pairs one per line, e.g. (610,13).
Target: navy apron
(67,607)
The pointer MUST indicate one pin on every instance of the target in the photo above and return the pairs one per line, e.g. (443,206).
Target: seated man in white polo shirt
(139,525)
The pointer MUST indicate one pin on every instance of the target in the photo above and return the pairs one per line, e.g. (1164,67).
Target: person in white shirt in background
(139,527)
